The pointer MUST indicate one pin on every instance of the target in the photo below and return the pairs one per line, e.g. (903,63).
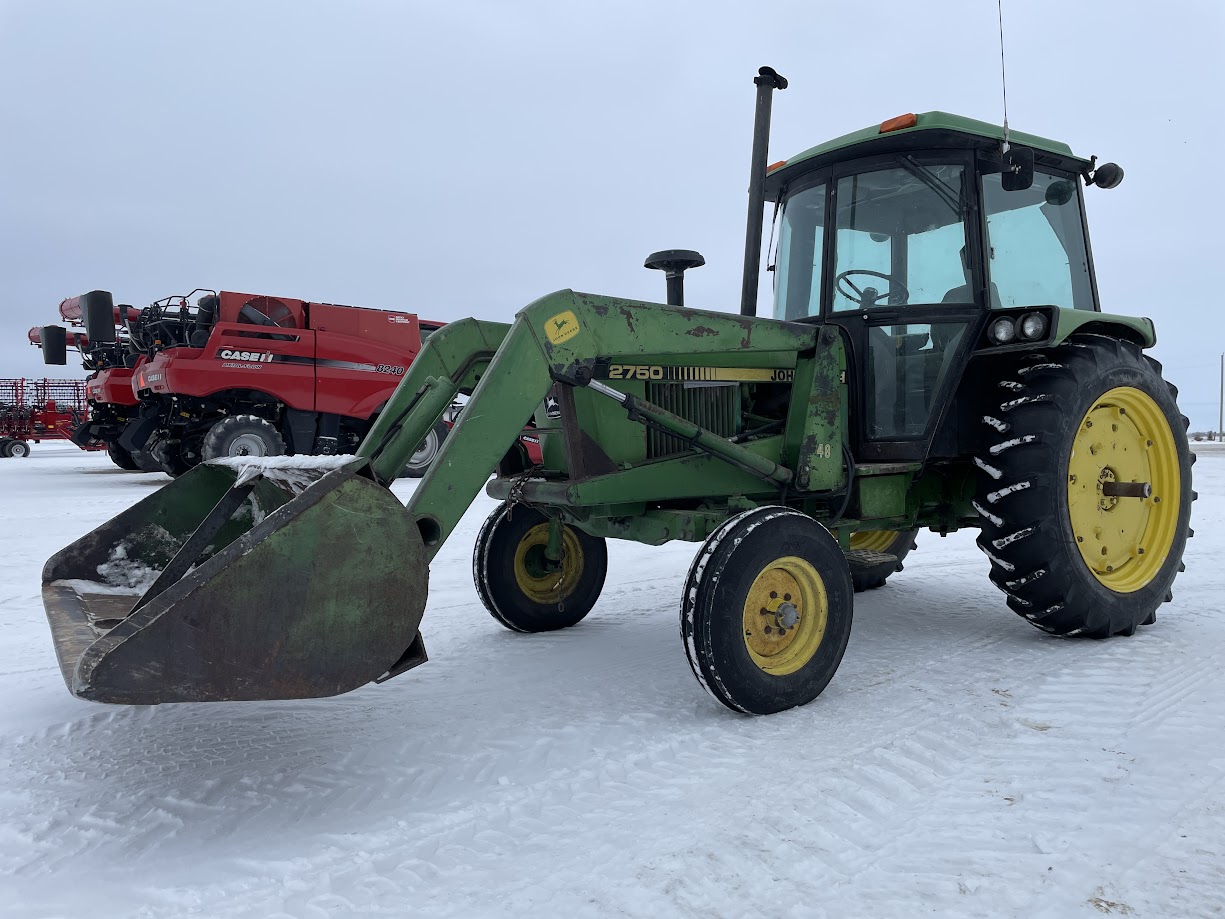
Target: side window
(900,235)
(797,270)
(1036,245)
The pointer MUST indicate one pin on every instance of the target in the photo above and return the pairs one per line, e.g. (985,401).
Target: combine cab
(938,358)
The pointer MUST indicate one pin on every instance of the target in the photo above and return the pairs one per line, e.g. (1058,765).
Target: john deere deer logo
(562,327)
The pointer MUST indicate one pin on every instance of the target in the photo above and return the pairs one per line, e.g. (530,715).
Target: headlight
(1033,326)
(1002,331)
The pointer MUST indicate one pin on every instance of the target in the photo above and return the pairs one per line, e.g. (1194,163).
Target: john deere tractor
(937,358)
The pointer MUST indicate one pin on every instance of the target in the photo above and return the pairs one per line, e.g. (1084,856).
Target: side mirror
(55,344)
(1107,175)
(1018,169)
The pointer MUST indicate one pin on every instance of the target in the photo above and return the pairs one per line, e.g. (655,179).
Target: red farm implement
(38,410)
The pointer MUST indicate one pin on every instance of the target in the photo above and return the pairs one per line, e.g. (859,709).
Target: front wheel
(520,586)
(766,612)
(5,444)
(19,449)
(121,457)
(242,435)
(421,460)
(1085,488)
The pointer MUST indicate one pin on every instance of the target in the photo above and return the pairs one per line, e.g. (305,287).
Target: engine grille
(714,407)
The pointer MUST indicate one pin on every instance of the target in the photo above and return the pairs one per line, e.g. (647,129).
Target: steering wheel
(895,289)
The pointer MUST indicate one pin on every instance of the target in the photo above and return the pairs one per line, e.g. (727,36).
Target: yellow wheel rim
(785,615)
(1124,438)
(873,540)
(542,581)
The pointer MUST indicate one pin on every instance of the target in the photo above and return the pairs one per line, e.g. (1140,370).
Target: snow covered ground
(961,762)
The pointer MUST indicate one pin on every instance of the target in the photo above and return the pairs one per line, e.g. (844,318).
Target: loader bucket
(233,582)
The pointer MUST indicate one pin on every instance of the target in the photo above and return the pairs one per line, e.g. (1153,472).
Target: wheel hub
(785,615)
(1123,488)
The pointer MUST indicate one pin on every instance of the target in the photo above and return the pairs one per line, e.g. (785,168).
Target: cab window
(1036,251)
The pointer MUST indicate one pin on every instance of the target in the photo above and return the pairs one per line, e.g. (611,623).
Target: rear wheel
(19,449)
(766,612)
(420,462)
(520,586)
(121,457)
(5,443)
(897,543)
(242,435)
(1085,488)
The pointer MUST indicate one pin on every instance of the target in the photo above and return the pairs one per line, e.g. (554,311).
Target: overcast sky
(464,158)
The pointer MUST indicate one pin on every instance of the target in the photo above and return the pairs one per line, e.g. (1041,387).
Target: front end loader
(937,359)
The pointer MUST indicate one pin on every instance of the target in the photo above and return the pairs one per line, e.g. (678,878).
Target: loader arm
(558,338)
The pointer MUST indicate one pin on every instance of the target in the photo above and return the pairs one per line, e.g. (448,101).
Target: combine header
(938,358)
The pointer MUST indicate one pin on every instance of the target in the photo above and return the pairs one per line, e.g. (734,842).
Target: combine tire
(121,457)
(168,455)
(1085,488)
(19,449)
(890,542)
(5,443)
(425,454)
(145,462)
(517,583)
(766,612)
(242,435)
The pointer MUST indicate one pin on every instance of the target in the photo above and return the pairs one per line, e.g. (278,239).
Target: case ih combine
(214,374)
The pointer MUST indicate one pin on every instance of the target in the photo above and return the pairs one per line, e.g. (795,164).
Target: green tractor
(937,358)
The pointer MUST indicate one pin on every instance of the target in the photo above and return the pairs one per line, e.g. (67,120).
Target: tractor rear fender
(558,338)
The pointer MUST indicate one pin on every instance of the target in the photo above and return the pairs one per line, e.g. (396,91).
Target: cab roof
(931,130)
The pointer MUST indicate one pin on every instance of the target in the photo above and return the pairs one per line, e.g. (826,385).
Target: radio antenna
(1003,78)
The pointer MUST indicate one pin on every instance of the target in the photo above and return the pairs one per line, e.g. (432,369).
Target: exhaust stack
(767,81)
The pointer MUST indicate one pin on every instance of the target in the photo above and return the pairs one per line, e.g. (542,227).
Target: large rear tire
(1076,425)
(242,435)
(518,584)
(766,612)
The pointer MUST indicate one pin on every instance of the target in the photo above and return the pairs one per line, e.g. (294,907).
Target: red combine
(240,374)
(38,410)
(214,374)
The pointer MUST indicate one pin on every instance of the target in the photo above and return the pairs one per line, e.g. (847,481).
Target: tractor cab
(910,238)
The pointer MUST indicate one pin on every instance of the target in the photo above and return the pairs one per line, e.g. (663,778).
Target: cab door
(901,284)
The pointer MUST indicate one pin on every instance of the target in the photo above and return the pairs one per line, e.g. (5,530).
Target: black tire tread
(1022,489)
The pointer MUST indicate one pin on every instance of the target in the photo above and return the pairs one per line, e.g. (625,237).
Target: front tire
(5,444)
(242,435)
(19,449)
(424,456)
(518,584)
(1073,427)
(766,612)
(122,458)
